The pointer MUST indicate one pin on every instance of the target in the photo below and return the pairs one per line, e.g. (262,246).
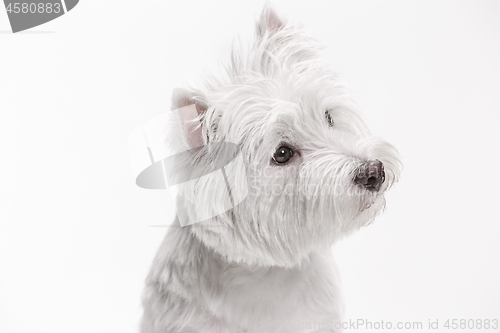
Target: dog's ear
(190,107)
(270,22)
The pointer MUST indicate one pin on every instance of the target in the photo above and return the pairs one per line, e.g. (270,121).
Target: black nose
(370,175)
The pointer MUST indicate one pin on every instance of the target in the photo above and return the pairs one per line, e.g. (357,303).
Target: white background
(75,235)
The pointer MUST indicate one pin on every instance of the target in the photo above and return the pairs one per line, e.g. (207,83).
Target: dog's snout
(371,175)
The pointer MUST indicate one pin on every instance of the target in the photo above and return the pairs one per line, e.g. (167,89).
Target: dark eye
(282,155)
(328,118)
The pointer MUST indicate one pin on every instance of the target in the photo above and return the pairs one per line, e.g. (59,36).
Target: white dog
(313,172)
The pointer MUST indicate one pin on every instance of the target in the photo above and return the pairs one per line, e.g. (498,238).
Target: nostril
(372,181)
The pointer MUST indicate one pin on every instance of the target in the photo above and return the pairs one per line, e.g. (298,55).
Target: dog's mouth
(374,203)
(365,206)
(369,198)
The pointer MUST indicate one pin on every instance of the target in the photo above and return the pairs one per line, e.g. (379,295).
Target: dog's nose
(370,175)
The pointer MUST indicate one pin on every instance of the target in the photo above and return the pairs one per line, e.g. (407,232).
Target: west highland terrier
(311,174)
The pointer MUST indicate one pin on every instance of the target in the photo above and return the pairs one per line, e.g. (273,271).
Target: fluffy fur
(266,264)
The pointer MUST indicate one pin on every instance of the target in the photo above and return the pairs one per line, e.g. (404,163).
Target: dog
(310,173)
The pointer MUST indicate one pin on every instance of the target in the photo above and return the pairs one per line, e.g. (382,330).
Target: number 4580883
(33,8)
(471,324)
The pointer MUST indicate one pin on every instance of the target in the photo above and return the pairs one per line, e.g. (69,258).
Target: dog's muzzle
(370,175)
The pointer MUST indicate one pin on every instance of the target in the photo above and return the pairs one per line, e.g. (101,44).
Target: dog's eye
(328,118)
(282,155)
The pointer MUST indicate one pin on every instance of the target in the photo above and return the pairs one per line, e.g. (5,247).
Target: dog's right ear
(190,107)
(270,22)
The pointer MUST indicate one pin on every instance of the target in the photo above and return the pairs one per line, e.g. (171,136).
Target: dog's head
(312,169)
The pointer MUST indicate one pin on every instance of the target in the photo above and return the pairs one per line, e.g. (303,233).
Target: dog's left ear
(190,117)
(270,22)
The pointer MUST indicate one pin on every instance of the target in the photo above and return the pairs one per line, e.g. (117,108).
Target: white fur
(265,265)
